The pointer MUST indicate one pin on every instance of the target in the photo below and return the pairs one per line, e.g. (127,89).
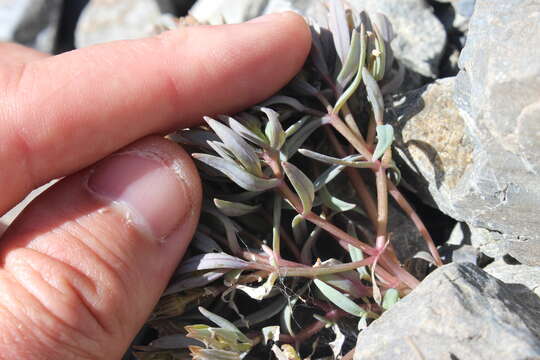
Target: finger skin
(62,113)
(77,278)
(16,55)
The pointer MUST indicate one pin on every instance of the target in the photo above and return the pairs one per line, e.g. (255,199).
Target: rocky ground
(467,126)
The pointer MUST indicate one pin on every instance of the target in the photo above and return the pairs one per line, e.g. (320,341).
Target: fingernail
(267,17)
(151,194)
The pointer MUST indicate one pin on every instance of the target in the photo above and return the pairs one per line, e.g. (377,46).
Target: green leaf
(221,322)
(274,132)
(351,63)
(357,255)
(333,202)
(233,209)
(350,161)
(292,145)
(303,186)
(276,225)
(339,299)
(385,137)
(299,228)
(374,96)
(238,175)
(248,134)
(391,296)
(235,144)
(291,130)
(287,100)
(358,78)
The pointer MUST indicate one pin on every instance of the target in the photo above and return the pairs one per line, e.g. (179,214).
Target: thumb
(84,264)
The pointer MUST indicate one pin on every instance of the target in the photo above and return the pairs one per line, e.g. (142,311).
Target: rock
(32,23)
(528,276)
(226,11)
(109,20)
(497,96)
(458,312)
(420,39)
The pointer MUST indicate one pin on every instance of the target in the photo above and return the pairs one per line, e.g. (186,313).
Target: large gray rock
(497,92)
(477,159)
(108,20)
(457,312)
(32,23)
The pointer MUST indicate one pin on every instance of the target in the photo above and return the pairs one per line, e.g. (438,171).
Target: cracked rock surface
(458,312)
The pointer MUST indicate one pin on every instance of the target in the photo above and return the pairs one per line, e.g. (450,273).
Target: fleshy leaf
(385,137)
(374,96)
(232,209)
(357,255)
(238,175)
(260,292)
(339,299)
(211,261)
(274,132)
(299,228)
(243,152)
(219,321)
(264,314)
(248,134)
(302,184)
(350,67)
(287,100)
(391,296)
(195,281)
(333,202)
(205,243)
(350,161)
(293,144)
(291,130)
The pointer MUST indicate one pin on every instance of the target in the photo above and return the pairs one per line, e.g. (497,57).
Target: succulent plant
(294,224)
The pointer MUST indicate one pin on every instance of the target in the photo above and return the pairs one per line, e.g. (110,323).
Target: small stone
(227,11)
(33,23)
(109,20)
(458,312)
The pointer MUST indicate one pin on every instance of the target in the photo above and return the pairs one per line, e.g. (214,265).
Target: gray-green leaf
(233,209)
(302,184)
(238,175)
(273,130)
(385,137)
(339,299)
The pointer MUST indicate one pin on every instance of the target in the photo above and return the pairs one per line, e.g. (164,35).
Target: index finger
(63,113)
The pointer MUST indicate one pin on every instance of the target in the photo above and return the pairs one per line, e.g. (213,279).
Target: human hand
(83,265)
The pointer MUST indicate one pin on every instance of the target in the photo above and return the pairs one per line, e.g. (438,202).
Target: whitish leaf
(359,74)
(260,292)
(293,144)
(350,67)
(385,137)
(357,255)
(337,344)
(271,333)
(339,28)
(248,134)
(333,202)
(339,299)
(374,95)
(287,352)
(238,175)
(391,296)
(221,150)
(232,209)
(327,176)
(235,143)
(199,353)
(195,281)
(342,282)
(205,243)
(350,161)
(221,322)
(302,185)
(231,230)
(211,261)
(273,130)
(287,100)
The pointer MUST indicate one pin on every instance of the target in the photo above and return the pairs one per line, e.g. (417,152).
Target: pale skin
(80,271)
